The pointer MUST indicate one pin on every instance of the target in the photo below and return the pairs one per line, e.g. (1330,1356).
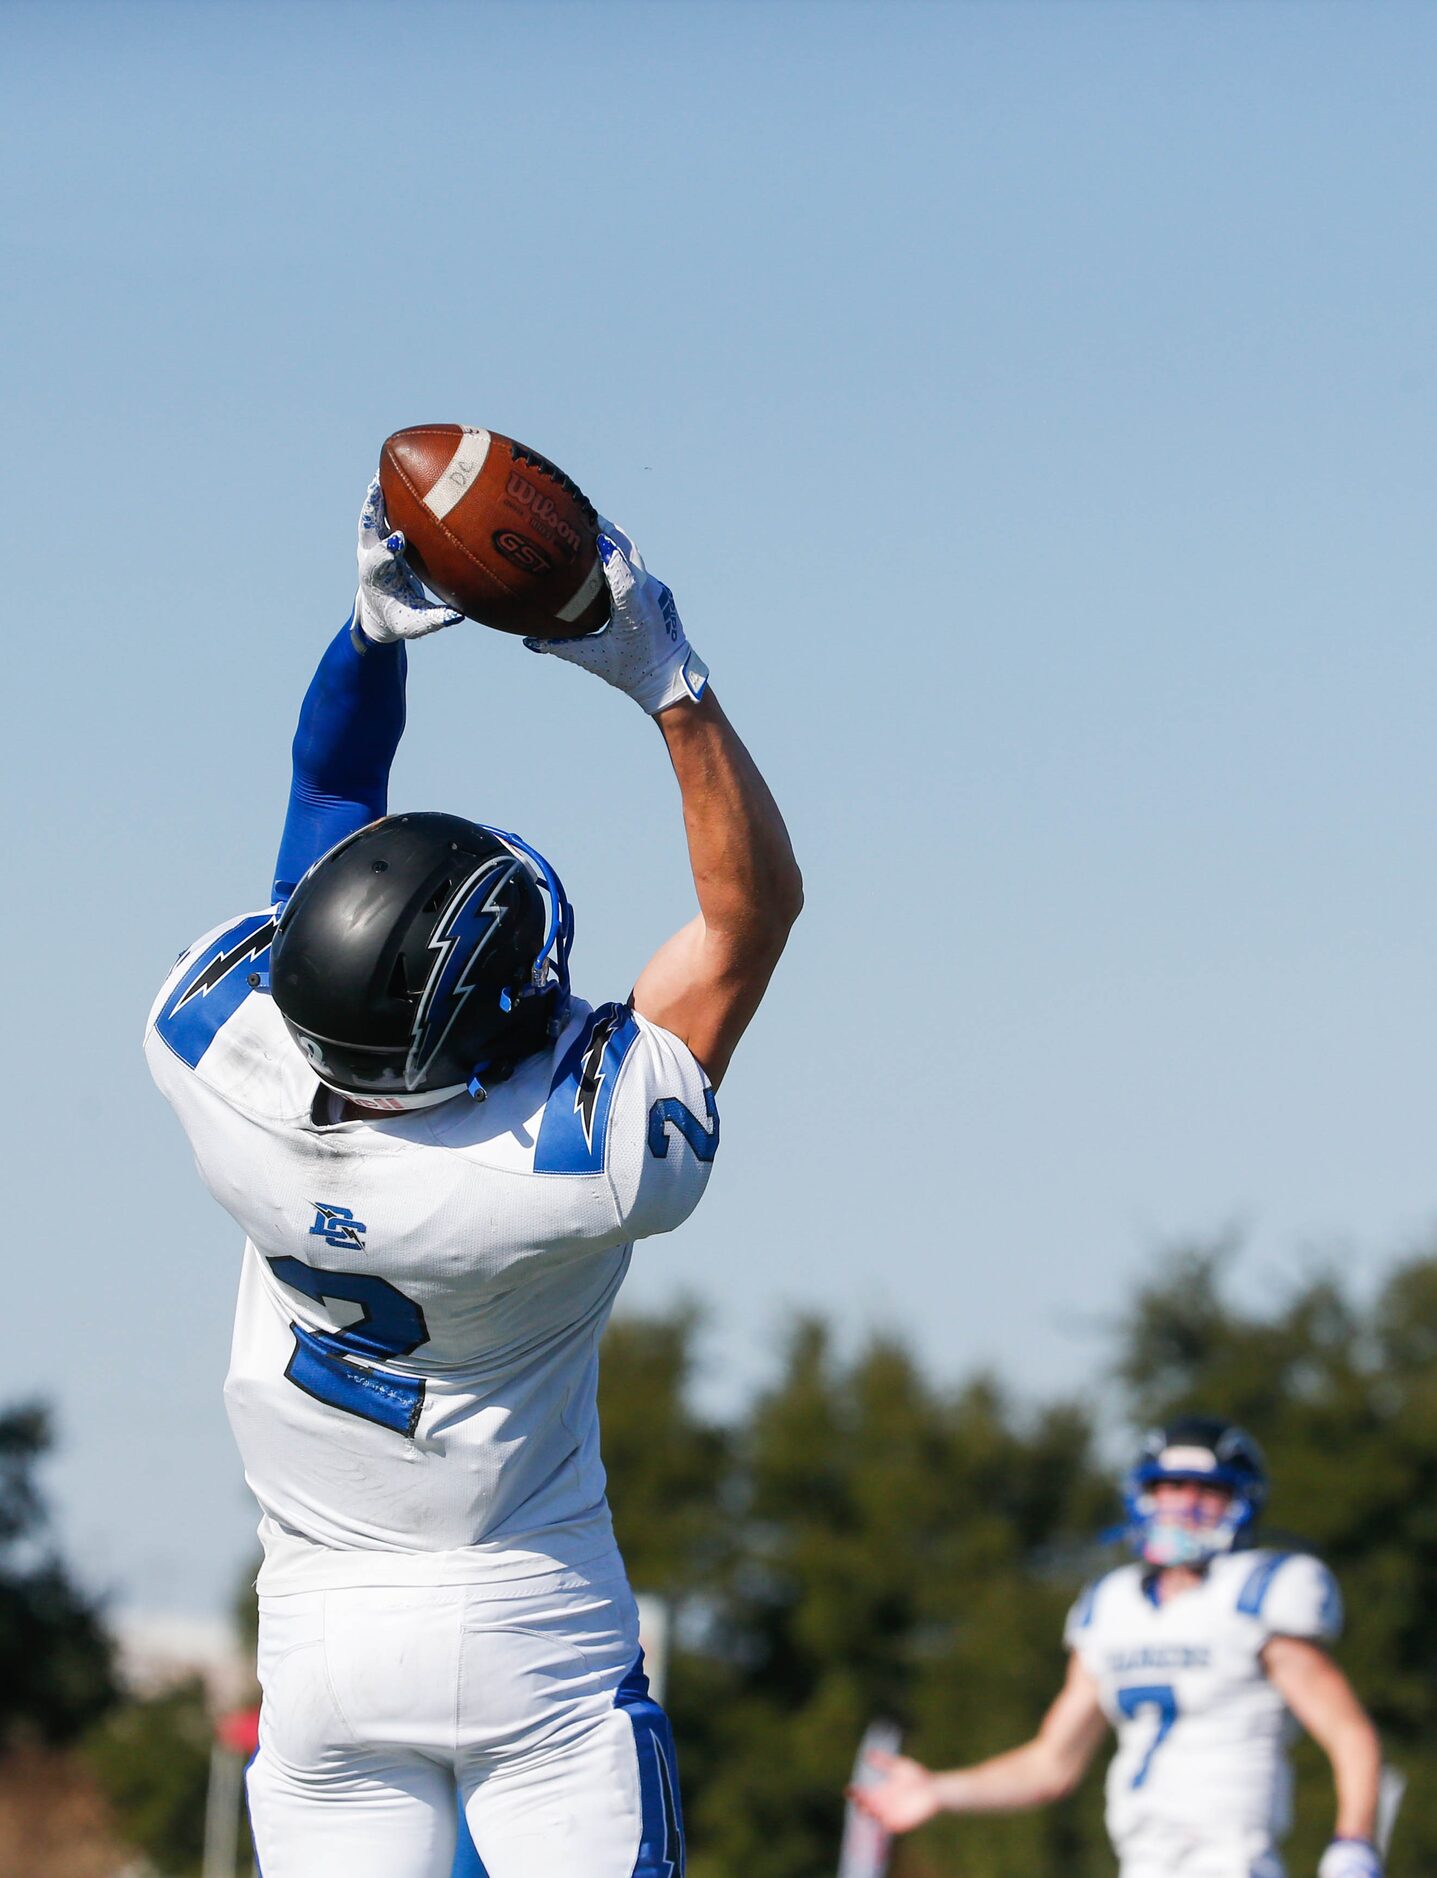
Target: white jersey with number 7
(1202,1734)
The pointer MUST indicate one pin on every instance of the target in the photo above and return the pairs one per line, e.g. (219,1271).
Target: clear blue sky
(1032,408)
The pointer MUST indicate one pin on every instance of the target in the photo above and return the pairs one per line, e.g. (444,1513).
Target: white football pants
(1248,1855)
(527,1698)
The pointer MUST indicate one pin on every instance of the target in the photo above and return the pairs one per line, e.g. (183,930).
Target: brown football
(496,530)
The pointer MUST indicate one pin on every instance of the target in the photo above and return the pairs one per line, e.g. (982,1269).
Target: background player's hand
(903,1796)
(1350,1858)
(643,650)
(391,604)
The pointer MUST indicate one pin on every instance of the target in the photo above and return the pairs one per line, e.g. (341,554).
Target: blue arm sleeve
(349,729)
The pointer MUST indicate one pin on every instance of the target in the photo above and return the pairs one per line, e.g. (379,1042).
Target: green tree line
(865,1540)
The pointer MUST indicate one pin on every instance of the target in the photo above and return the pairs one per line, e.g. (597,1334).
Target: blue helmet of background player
(423,956)
(1200,1450)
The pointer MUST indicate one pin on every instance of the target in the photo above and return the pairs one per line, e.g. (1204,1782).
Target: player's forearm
(349,729)
(748,884)
(1029,1776)
(1356,1756)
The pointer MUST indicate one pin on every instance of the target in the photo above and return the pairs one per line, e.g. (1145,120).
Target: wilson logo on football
(521,552)
(543,509)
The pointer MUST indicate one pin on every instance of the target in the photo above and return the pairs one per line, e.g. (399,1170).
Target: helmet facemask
(1199,1451)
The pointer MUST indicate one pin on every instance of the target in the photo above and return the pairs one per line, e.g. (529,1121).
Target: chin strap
(500,1069)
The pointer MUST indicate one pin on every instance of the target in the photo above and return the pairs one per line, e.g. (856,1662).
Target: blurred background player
(1199,1656)
(440,1159)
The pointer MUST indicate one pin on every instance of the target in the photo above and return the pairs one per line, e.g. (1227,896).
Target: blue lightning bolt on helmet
(423,956)
(1206,1451)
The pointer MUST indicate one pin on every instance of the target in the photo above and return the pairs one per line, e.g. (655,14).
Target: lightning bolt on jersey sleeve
(631,1097)
(1291,1594)
(205,1005)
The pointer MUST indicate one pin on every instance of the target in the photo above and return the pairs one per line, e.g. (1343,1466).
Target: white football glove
(643,650)
(1350,1858)
(391,604)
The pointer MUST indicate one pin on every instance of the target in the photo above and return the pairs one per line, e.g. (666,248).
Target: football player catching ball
(441,1159)
(1201,1656)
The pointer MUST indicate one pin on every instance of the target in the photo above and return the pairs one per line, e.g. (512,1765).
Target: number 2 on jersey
(1156,1695)
(392,1325)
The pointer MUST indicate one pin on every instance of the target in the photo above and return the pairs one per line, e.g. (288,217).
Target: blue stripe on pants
(661,1844)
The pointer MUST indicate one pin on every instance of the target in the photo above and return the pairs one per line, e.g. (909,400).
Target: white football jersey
(415,1359)
(1202,1734)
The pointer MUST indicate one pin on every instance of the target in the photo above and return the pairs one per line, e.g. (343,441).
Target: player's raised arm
(353,712)
(1042,1770)
(705,983)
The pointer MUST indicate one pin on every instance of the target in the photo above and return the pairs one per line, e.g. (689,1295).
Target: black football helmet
(422,956)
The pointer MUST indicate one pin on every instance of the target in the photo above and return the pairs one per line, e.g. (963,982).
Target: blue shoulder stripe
(1083,1609)
(573,1133)
(1258,1582)
(1330,1614)
(214,987)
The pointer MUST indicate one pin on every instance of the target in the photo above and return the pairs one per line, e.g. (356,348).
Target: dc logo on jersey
(338,1227)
